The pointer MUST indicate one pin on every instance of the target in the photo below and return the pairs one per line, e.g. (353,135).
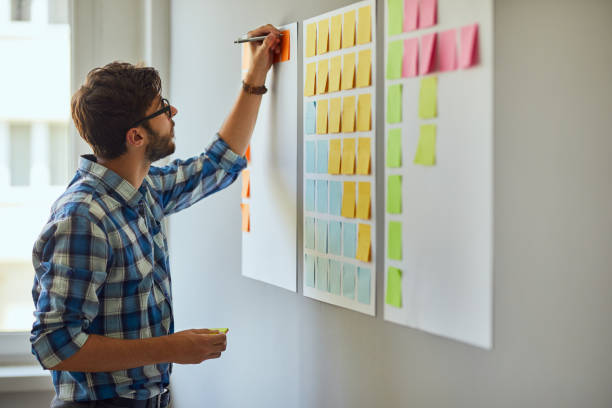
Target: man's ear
(134,137)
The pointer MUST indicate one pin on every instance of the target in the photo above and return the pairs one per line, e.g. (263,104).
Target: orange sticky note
(246,218)
(323,36)
(348,157)
(333,164)
(284,54)
(363,155)
(322,106)
(311,74)
(363,200)
(336,33)
(364,69)
(364,26)
(348,200)
(348,72)
(364,113)
(334,74)
(311,40)
(247,155)
(334,115)
(348,30)
(246,183)
(322,72)
(348,114)
(364,242)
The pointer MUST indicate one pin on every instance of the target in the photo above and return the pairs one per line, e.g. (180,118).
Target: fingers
(264,30)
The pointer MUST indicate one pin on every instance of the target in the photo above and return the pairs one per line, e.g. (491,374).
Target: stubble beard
(159,146)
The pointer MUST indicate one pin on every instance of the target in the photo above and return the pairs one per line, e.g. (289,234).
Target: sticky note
(310,270)
(395,240)
(428,47)
(323,36)
(394,194)
(322,196)
(246,183)
(364,241)
(363,200)
(309,231)
(246,218)
(348,114)
(428,96)
(410,67)
(321,273)
(363,155)
(310,195)
(322,236)
(348,281)
(322,149)
(348,30)
(348,157)
(411,15)
(348,200)
(334,115)
(363,285)
(395,55)
(469,46)
(364,26)
(428,13)
(311,74)
(247,155)
(333,166)
(334,74)
(334,277)
(322,106)
(348,72)
(322,72)
(335,237)
(447,50)
(394,287)
(335,197)
(364,113)
(311,118)
(310,157)
(349,239)
(394,103)
(311,40)
(394,148)
(285,47)
(426,151)
(364,69)
(336,33)
(396,14)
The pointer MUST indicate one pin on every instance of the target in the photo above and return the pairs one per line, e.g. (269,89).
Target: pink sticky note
(428,47)
(411,15)
(469,46)
(411,58)
(428,14)
(447,50)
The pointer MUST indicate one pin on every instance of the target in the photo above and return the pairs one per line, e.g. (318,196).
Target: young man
(102,290)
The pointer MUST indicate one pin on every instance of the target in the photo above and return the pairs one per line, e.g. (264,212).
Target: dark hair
(111,99)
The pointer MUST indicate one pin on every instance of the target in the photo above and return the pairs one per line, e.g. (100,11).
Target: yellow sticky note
(348,200)
(334,115)
(348,157)
(363,200)
(364,242)
(323,36)
(322,71)
(333,164)
(363,155)
(322,106)
(311,72)
(334,74)
(428,105)
(223,330)
(336,33)
(311,40)
(426,150)
(364,113)
(348,114)
(348,30)
(364,69)
(348,72)
(364,26)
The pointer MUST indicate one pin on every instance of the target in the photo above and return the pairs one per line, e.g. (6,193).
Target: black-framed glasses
(166,108)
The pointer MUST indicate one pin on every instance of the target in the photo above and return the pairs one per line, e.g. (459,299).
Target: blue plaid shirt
(102,267)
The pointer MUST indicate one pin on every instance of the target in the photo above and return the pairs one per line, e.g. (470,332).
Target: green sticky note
(394,287)
(428,98)
(395,55)
(426,151)
(396,16)
(394,104)
(335,269)
(394,148)
(220,330)
(395,240)
(394,195)
(348,281)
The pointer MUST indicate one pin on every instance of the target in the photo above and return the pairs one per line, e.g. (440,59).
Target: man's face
(161,133)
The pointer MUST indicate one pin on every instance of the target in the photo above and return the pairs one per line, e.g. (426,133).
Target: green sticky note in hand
(394,287)
(395,240)
(223,331)
(426,151)
(428,105)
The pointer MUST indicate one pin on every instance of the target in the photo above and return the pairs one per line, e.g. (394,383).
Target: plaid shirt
(102,267)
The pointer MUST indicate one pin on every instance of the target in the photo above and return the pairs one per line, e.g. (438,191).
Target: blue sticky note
(310,233)
(311,118)
(348,281)
(322,154)
(335,197)
(310,195)
(310,157)
(322,196)
(334,277)
(363,285)
(310,270)
(349,239)
(322,236)
(322,268)
(334,237)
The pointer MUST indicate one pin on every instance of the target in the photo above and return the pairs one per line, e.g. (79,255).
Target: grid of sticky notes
(339,143)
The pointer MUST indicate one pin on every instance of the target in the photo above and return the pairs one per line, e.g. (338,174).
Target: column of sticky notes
(339,142)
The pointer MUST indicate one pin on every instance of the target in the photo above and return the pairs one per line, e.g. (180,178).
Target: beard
(159,146)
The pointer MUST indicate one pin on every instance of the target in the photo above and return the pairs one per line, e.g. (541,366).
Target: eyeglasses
(166,108)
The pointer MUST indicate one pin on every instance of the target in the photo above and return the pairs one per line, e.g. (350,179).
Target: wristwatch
(255,90)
